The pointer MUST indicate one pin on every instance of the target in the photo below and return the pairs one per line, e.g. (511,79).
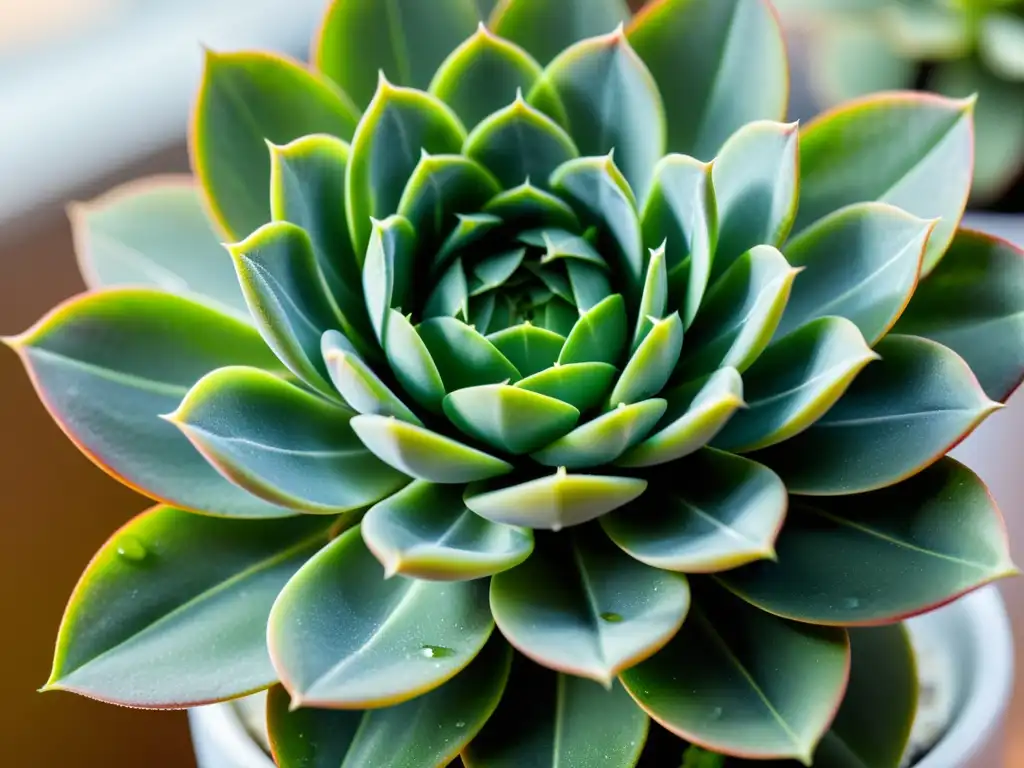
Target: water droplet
(716,713)
(852,602)
(131,549)
(460,724)
(613,618)
(435,652)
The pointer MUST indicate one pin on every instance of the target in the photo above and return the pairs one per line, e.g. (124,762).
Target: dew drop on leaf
(131,549)
(435,651)
(610,617)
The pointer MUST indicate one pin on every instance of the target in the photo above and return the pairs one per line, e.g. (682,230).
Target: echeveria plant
(953,47)
(541,346)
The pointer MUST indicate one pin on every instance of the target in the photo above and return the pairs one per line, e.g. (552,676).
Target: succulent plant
(542,393)
(952,47)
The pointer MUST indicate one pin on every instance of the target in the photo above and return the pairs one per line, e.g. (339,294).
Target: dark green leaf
(387,273)
(654,299)
(450,297)
(604,439)
(599,335)
(546,30)
(529,206)
(649,368)
(583,385)
(411,362)
(470,230)
(463,356)
(492,271)
(529,348)
(511,419)
(589,286)
(560,244)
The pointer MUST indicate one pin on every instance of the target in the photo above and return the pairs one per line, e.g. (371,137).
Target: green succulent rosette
(549,386)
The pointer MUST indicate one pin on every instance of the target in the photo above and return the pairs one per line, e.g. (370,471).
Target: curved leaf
(604,439)
(720,64)
(554,501)
(200,633)
(580,606)
(742,682)
(511,419)
(411,362)
(423,454)
(973,303)
(727,513)
(529,348)
(404,39)
(928,174)
(470,230)
(246,100)
(107,364)
(425,531)
(882,556)
(654,299)
(795,382)
(529,206)
(897,417)
(860,263)
(493,271)
(589,285)
(464,357)
(282,443)
(341,635)
(387,272)
(581,385)
(546,30)
(599,336)
(154,233)
(650,367)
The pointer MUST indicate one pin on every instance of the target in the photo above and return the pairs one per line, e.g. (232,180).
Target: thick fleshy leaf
(511,419)
(589,286)
(464,357)
(387,272)
(469,230)
(341,635)
(425,531)
(423,454)
(604,439)
(601,195)
(973,303)
(650,367)
(727,513)
(654,299)
(547,720)
(554,501)
(546,30)
(742,682)
(172,611)
(450,297)
(404,39)
(582,385)
(882,556)
(900,415)
(492,271)
(288,297)
(426,732)
(529,348)
(1002,45)
(681,213)
(411,362)
(611,102)
(560,244)
(398,126)
(928,174)
(529,206)
(860,263)
(580,606)
(739,315)
(307,188)
(795,382)
(599,336)
(734,60)
(357,383)
(696,412)
(755,178)
(520,143)
(282,443)
(246,100)
(107,364)
(154,233)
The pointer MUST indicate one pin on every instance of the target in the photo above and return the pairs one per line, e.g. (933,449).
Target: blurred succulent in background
(548,326)
(953,47)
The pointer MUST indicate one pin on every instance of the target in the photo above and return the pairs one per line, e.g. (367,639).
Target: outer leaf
(154,233)
(288,297)
(974,303)
(555,501)
(696,413)
(755,177)
(245,100)
(423,454)
(795,382)
(425,531)
(107,364)
(341,635)
(545,30)
(511,419)
(739,681)
(649,368)
(463,356)
(611,103)
(604,439)
(529,348)
(426,732)
(860,263)
(411,362)
(398,126)
(872,566)
(519,143)
(582,385)
(547,721)
(199,633)
(580,606)
(599,335)
(404,39)
(734,60)
(387,272)
(727,514)
(282,443)
(899,416)
(928,174)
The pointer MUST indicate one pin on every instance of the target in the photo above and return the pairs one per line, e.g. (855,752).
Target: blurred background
(93,93)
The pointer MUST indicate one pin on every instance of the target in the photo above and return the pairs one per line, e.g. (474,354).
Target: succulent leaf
(528,206)
(582,385)
(599,336)
(464,357)
(650,367)
(604,438)
(387,271)
(529,348)
(546,30)
(411,362)
(511,419)
(654,299)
